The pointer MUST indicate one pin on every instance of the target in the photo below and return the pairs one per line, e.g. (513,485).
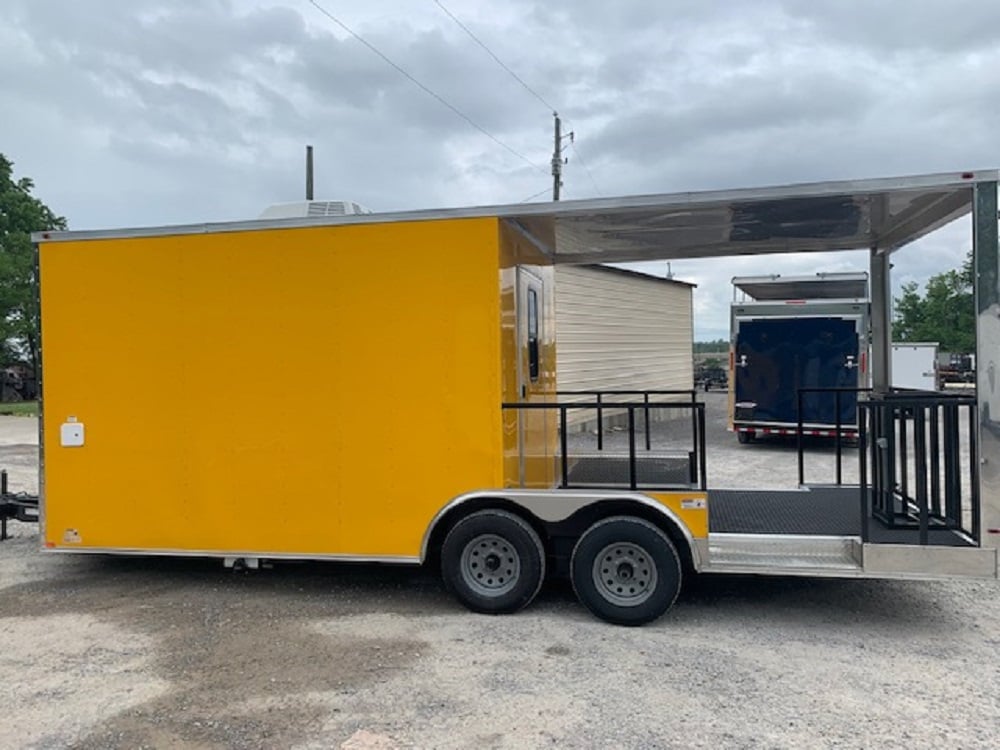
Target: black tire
(745,437)
(493,561)
(624,592)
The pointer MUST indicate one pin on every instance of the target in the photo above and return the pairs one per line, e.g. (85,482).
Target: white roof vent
(302,209)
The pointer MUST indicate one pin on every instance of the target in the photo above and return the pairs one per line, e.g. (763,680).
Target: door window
(533,335)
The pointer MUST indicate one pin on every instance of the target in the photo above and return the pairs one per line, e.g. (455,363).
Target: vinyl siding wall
(621,331)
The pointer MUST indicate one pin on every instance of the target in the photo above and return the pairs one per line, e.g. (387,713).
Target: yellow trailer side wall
(305,391)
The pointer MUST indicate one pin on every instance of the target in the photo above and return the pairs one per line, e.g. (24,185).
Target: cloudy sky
(150,112)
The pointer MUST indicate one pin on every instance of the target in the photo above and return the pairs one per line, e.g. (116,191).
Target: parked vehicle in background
(955,368)
(707,378)
(18,384)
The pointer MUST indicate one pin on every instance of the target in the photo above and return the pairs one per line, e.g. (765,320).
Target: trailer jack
(17,505)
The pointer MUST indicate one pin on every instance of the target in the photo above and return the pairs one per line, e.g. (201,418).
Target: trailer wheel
(626,571)
(745,437)
(493,561)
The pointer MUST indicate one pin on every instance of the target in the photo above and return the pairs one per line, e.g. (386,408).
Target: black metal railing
(603,403)
(919,467)
(839,427)
(630,468)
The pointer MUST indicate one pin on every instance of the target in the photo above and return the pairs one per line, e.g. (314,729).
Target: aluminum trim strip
(562,209)
(168,552)
(40,392)
(737,538)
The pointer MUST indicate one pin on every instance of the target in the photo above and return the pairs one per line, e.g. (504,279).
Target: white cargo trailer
(914,366)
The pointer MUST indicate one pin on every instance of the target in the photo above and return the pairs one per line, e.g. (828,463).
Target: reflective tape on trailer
(793,431)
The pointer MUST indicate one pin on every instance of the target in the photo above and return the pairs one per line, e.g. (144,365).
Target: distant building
(622,330)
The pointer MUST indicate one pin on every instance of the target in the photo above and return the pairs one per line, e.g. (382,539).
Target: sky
(153,112)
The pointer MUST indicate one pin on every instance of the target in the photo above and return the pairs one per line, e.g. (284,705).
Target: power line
(500,62)
(521,81)
(424,88)
(543,190)
(572,145)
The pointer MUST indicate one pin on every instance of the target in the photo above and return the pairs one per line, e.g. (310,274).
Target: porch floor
(814,511)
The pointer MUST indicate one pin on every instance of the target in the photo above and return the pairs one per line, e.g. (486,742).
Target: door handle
(524,391)
(743,361)
(850,364)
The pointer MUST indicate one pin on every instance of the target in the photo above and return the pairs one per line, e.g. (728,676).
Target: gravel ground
(145,652)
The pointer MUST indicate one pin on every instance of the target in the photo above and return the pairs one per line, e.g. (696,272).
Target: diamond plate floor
(819,511)
(613,471)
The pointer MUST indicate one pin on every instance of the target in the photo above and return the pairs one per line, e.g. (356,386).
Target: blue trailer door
(775,357)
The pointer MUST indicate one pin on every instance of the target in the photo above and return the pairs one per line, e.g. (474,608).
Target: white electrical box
(71,434)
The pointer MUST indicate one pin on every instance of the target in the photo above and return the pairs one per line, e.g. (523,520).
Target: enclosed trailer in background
(799,354)
(914,366)
(425,426)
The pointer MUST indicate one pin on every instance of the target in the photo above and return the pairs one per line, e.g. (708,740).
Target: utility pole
(309,173)
(557,158)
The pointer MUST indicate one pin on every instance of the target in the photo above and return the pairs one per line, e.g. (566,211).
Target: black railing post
(888,428)
(973,471)
(631,448)
(3,498)
(836,403)
(904,453)
(563,443)
(701,446)
(645,416)
(863,468)
(952,475)
(935,461)
(798,437)
(694,407)
(920,461)
(600,424)
(880,447)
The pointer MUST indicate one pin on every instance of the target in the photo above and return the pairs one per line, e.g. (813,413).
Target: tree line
(945,313)
(21,213)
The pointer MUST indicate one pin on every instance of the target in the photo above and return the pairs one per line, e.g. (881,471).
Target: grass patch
(19,409)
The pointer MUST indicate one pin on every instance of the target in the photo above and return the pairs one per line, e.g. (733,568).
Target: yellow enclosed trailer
(327,392)
(382,388)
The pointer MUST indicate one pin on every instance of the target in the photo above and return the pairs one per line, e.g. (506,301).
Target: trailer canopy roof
(883,213)
(820,286)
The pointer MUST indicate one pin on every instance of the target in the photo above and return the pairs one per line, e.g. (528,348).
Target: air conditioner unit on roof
(302,209)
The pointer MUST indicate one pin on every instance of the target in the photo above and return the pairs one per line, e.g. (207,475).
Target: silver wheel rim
(490,565)
(624,574)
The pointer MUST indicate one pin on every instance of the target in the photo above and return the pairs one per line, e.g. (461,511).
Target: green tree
(945,313)
(20,215)
(719,345)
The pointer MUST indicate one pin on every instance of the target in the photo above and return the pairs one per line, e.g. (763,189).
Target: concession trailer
(416,417)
